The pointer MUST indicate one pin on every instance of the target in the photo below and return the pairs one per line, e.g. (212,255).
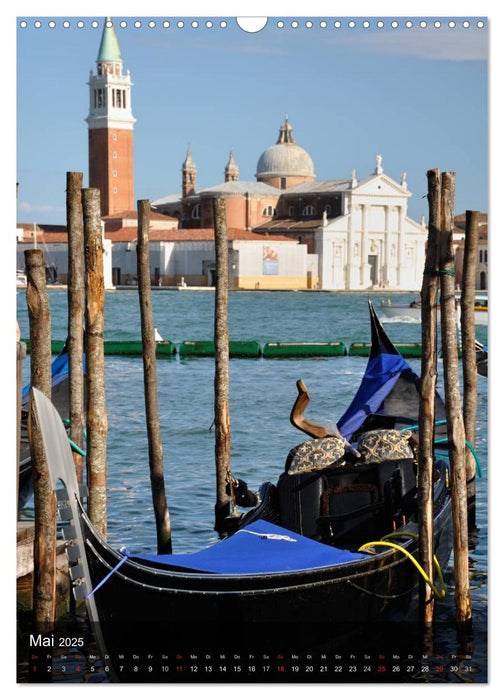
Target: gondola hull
(373,587)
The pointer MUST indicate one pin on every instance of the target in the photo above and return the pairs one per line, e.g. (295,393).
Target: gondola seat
(299,498)
(313,455)
(348,503)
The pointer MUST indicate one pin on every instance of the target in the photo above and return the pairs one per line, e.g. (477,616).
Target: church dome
(285,158)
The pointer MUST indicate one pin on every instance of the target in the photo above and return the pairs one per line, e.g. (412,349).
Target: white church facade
(373,243)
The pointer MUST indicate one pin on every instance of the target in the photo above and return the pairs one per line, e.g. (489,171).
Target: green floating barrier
(56,345)
(361,349)
(135,347)
(118,347)
(406,349)
(304,349)
(244,348)
(206,348)
(165,347)
(122,347)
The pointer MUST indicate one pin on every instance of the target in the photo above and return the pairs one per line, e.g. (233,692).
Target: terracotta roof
(132,214)
(46,233)
(43,228)
(240,187)
(319,186)
(127,234)
(303,223)
(460,224)
(191,234)
(461,218)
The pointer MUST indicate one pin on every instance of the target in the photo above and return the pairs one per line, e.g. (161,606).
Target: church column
(400,246)
(349,256)
(364,265)
(388,275)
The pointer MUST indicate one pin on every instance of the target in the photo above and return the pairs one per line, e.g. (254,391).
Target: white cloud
(28,208)
(430,44)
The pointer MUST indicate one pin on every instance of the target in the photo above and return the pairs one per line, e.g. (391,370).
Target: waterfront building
(287,230)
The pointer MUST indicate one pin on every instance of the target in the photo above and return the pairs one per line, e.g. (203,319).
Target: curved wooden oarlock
(315,430)
(297,418)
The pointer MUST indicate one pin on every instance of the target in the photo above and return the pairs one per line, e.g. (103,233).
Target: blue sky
(417,95)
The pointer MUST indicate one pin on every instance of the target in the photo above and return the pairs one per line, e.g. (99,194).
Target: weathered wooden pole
(76,301)
(161,512)
(454,420)
(44,552)
(429,375)
(221,380)
(469,366)
(96,423)
(20,358)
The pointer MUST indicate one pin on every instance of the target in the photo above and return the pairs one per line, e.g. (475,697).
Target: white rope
(269,536)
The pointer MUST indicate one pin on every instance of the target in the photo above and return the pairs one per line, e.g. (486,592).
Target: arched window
(309,210)
(196,212)
(269,211)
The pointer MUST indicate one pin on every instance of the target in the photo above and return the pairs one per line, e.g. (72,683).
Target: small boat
(481,358)
(413,310)
(21,279)
(331,545)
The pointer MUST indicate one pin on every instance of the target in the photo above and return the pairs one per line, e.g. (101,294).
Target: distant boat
(413,310)
(21,279)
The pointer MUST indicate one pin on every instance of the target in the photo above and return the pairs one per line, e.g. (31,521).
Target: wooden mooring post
(44,551)
(20,358)
(76,301)
(96,414)
(426,420)
(162,514)
(469,366)
(221,380)
(455,424)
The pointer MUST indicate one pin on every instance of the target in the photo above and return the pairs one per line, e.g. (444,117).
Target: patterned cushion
(316,454)
(382,445)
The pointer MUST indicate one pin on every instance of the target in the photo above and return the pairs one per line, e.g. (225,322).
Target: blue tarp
(260,548)
(382,372)
(59,372)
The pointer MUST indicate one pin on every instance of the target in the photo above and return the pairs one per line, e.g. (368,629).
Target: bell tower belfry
(188,175)
(110,127)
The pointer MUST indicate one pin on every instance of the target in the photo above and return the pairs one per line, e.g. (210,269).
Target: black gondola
(299,558)
(60,399)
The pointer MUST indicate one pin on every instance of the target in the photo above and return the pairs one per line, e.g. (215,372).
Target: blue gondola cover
(261,548)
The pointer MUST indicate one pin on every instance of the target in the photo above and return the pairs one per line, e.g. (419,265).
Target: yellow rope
(383,543)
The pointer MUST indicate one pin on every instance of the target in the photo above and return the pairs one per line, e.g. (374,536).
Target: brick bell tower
(110,127)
